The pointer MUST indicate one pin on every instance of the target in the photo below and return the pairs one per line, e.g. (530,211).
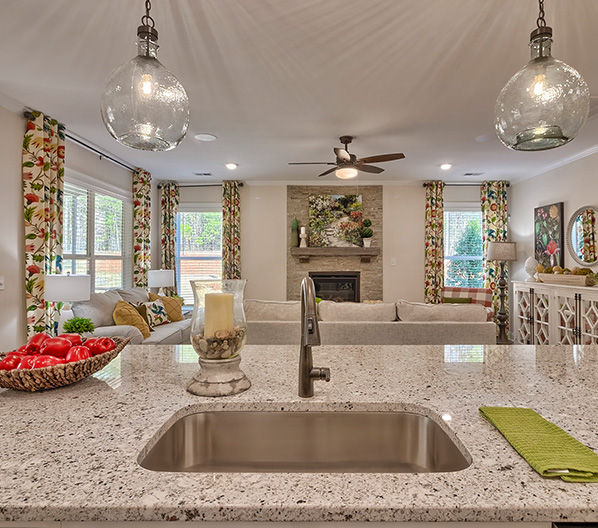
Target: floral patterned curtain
(142,203)
(495,215)
(231,230)
(588,222)
(169,206)
(434,242)
(43,183)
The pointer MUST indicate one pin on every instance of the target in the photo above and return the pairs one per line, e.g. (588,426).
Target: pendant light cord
(540,21)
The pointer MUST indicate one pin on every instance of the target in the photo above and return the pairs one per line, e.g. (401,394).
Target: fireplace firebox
(338,286)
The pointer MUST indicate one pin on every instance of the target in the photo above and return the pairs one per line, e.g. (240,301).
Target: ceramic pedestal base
(219,377)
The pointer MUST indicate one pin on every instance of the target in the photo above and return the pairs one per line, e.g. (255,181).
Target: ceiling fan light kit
(348,166)
(144,106)
(545,104)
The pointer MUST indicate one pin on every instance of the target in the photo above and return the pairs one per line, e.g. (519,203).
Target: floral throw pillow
(154,313)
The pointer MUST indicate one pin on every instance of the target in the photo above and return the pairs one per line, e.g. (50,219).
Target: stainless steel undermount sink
(310,442)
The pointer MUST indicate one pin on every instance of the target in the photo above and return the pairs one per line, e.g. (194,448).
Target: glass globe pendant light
(144,106)
(544,105)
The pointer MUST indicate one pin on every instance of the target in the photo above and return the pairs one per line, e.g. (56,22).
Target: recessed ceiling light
(231,166)
(205,137)
(446,166)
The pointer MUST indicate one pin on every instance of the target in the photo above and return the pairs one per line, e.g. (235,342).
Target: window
(97,229)
(463,248)
(198,249)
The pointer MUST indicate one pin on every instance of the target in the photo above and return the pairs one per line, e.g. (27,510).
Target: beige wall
(12,320)
(263,241)
(404,207)
(574,184)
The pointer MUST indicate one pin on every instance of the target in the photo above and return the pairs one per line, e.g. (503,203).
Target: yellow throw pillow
(126,314)
(173,305)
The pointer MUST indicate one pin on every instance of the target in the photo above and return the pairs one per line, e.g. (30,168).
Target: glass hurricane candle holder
(218,325)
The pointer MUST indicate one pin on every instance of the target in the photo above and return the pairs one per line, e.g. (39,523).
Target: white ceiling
(280,80)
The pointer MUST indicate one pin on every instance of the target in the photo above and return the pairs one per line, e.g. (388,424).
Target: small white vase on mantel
(367,242)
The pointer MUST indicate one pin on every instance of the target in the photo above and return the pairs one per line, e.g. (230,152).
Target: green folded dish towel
(547,448)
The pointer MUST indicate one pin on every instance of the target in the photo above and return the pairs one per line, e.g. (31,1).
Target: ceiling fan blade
(342,154)
(369,168)
(326,172)
(311,163)
(382,157)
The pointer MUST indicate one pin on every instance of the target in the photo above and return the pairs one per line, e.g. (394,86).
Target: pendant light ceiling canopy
(144,106)
(544,105)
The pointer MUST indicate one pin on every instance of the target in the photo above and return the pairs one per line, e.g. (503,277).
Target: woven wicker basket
(45,378)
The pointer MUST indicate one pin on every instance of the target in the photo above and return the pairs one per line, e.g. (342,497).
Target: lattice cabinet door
(523,317)
(541,318)
(588,323)
(565,322)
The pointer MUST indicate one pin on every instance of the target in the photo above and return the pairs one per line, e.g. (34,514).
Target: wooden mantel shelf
(365,254)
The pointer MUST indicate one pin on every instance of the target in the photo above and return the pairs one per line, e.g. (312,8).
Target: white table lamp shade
(67,288)
(502,251)
(160,278)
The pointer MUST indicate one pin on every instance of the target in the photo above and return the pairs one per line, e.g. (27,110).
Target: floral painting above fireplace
(335,220)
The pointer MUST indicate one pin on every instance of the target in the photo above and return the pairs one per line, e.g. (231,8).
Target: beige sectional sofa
(271,322)
(100,307)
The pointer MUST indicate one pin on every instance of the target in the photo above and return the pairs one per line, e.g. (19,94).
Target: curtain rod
(456,184)
(201,185)
(101,154)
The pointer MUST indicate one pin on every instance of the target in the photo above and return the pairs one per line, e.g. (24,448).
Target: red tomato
(10,362)
(26,362)
(75,339)
(35,343)
(46,361)
(99,345)
(77,353)
(56,346)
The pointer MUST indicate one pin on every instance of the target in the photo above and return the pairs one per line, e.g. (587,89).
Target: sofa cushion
(134,295)
(173,305)
(153,312)
(256,310)
(412,311)
(99,308)
(167,334)
(350,311)
(126,314)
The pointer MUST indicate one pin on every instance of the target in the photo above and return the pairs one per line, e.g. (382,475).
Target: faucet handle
(321,373)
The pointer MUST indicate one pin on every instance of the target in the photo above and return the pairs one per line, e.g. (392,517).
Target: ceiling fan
(347,165)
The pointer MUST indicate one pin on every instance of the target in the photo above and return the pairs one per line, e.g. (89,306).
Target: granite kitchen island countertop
(70,454)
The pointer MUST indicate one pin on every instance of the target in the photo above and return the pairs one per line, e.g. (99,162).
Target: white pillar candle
(303,230)
(219,313)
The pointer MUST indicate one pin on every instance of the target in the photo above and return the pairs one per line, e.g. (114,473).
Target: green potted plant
(366,232)
(78,325)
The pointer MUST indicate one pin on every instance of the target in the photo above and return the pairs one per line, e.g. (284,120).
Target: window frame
(90,256)
(465,207)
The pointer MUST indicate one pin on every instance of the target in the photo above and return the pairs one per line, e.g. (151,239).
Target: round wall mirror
(582,235)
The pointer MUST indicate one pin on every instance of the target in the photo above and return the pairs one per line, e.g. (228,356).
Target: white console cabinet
(551,314)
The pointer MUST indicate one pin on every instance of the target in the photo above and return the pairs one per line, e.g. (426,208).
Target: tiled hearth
(370,272)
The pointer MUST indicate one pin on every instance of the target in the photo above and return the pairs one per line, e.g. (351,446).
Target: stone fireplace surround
(370,272)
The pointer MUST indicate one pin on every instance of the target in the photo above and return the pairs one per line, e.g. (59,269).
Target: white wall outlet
(393,261)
